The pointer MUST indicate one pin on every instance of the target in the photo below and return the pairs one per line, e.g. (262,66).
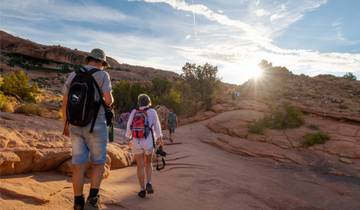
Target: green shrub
(257,127)
(160,86)
(6,105)
(30,109)
(350,76)
(17,84)
(315,138)
(3,101)
(193,92)
(125,95)
(202,82)
(283,117)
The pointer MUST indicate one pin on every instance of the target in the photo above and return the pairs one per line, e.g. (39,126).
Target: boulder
(66,168)
(31,143)
(7,162)
(120,156)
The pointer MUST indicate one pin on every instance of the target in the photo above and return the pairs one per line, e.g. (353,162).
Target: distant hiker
(144,131)
(172,123)
(87,96)
(235,95)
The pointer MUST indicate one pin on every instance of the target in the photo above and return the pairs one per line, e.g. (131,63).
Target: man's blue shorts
(87,145)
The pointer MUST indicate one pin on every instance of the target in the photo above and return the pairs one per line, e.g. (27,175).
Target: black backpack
(83,106)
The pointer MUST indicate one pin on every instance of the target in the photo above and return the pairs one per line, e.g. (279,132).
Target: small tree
(125,95)
(160,86)
(17,84)
(349,76)
(203,81)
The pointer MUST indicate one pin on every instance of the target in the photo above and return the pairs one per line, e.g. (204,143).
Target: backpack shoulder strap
(92,71)
(80,70)
(102,102)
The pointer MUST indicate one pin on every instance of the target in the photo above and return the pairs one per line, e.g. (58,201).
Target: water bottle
(111,132)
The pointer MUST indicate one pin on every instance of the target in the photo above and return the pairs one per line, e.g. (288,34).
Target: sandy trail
(198,177)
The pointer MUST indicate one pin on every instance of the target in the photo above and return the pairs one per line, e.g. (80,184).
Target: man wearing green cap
(88,145)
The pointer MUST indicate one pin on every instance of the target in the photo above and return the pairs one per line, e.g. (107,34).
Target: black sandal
(149,188)
(142,194)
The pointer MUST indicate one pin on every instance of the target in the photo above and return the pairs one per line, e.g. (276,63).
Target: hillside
(57,60)
(325,95)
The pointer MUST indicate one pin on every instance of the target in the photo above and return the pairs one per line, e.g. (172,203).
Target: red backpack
(140,124)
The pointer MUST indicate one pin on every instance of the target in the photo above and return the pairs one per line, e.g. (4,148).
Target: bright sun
(242,72)
(256,73)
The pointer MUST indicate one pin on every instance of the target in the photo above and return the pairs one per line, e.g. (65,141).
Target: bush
(194,91)
(203,82)
(6,104)
(160,86)
(315,138)
(349,76)
(30,109)
(3,101)
(125,95)
(17,84)
(257,127)
(283,117)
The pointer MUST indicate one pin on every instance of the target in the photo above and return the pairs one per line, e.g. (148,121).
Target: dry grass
(30,109)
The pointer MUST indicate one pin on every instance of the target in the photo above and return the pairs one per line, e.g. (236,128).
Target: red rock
(7,162)
(345,160)
(40,146)
(66,168)
(343,149)
(120,157)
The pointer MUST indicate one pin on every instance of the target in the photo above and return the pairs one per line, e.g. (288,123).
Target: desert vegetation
(350,76)
(311,139)
(282,117)
(17,84)
(30,108)
(18,94)
(192,92)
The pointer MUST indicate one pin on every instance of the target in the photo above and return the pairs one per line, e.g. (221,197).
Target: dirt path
(198,177)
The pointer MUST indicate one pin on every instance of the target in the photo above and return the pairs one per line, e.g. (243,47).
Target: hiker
(172,123)
(88,121)
(144,132)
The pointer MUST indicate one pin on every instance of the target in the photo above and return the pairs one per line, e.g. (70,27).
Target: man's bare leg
(96,175)
(78,172)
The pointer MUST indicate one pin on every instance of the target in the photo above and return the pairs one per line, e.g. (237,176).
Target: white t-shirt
(154,123)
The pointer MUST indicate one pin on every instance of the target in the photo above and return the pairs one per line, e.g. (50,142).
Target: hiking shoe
(142,194)
(93,203)
(78,207)
(149,188)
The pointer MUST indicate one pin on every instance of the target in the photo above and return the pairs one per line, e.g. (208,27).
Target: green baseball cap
(99,54)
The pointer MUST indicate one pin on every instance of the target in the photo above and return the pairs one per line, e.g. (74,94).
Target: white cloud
(203,10)
(246,49)
(261,12)
(48,9)
(234,43)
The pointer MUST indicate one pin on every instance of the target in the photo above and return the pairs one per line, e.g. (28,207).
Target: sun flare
(256,73)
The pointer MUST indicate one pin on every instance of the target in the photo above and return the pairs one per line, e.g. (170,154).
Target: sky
(307,36)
